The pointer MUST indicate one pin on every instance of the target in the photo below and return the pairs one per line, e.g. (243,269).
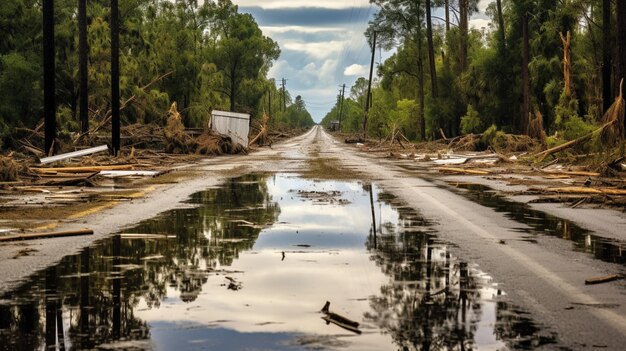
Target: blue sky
(323,46)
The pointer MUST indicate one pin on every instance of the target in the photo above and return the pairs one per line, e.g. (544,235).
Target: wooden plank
(583,190)
(575,173)
(32,236)
(83,169)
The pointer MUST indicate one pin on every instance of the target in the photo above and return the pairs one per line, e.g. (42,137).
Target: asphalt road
(545,278)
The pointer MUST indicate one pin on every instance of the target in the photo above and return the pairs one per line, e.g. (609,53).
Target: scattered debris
(323,197)
(24,252)
(8,169)
(233,284)
(339,320)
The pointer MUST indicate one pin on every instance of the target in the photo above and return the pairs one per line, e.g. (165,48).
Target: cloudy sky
(322,47)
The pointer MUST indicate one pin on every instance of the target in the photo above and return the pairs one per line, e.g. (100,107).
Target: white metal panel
(235,125)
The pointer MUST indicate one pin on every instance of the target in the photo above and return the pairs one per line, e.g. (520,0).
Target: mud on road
(539,274)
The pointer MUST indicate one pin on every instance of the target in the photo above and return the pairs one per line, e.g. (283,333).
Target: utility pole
(369,89)
(115,78)
(83,51)
(343,89)
(49,103)
(284,95)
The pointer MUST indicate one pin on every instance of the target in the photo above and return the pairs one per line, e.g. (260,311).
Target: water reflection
(539,222)
(286,245)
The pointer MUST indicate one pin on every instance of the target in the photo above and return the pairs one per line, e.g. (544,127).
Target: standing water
(249,266)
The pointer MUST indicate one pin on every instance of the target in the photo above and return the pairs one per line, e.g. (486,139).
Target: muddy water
(540,223)
(250,264)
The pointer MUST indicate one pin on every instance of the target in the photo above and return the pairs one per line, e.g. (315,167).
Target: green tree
(242,52)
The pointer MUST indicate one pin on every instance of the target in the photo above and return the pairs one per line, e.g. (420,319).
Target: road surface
(545,277)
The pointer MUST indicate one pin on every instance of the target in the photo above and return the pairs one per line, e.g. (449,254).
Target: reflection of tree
(426,304)
(102,286)
(431,301)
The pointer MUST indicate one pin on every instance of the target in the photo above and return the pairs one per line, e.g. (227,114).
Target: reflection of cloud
(290,291)
(355,70)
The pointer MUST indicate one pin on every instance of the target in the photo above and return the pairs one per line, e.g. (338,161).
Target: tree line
(204,55)
(558,63)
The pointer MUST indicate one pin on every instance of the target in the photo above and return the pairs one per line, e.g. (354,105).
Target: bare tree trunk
(83,52)
(607,92)
(525,77)
(233,87)
(447,11)
(463,26)
(431,53)
(621,42)
(567,64)
(502,31)
(420,78)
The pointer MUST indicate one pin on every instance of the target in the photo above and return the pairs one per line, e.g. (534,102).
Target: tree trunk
(501,29)
(621,42)
(447,11)
(525,77)
(567,64)
(232,93)
(49,89)
(431,53)
(115,79)
(463,27)
(607,92)
(233,86)
(420,78)
(83,51)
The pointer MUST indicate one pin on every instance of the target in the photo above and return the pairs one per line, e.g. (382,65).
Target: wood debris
(606,279)
(32,236)
(456,170)
(339,320)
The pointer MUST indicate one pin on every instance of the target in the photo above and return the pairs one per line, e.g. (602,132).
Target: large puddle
(540,223)
(249,266)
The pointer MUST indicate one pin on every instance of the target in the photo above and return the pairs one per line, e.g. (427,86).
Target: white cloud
(355,70)
(479,23)
(318,50)
(328,4)
(272,30)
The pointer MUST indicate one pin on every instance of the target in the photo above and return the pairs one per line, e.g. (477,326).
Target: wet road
(248,263)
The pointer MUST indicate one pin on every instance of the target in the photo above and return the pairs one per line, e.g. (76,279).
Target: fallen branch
(462,171)
(443,135)
(575,173)
(339,320)
(354,140)
(130,100)
(32,236)
(612,117)
(581,190)
(599,280)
